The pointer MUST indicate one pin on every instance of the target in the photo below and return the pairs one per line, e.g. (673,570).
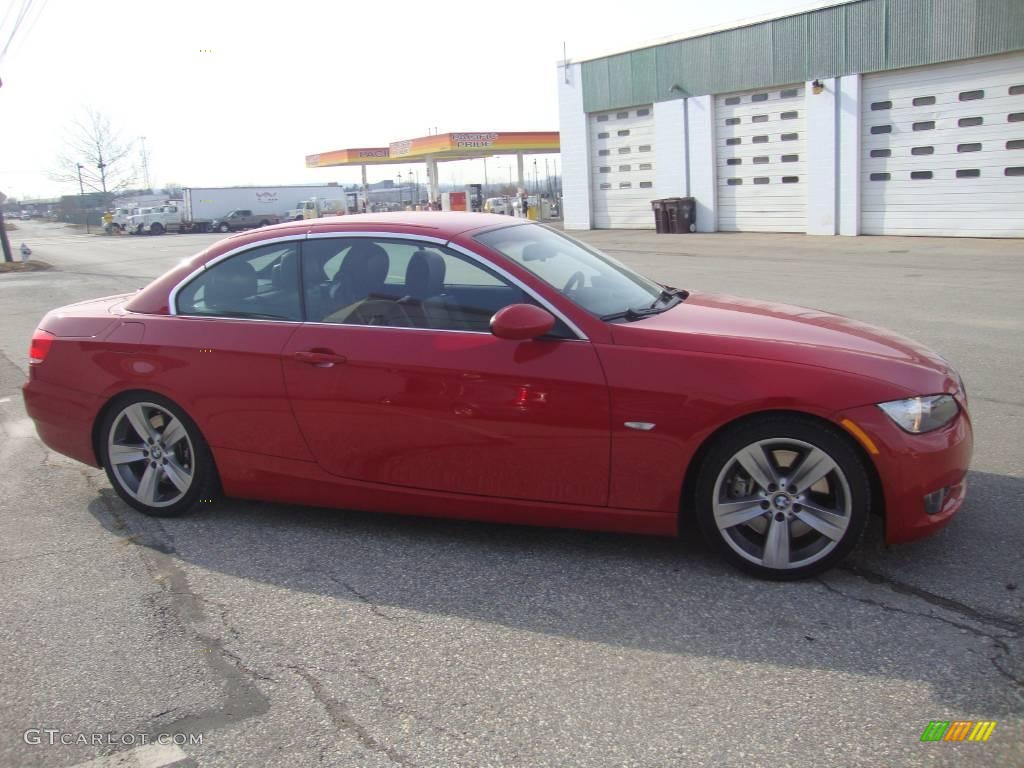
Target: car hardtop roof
(430,223)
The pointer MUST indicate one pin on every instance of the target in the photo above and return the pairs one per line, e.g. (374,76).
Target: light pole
(400,200)
(81,198)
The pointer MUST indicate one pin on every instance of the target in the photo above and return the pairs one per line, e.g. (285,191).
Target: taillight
(40,348)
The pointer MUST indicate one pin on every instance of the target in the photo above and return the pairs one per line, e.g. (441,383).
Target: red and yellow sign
(443,146)
(362,156)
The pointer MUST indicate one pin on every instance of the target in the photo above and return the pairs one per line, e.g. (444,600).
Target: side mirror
(519,322)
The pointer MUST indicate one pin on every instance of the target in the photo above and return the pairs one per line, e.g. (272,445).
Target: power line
(32,24)
(25,7)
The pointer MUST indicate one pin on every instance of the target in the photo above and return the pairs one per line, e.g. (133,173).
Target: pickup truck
(243,219)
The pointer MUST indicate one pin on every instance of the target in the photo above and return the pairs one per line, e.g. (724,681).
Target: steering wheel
(575,282)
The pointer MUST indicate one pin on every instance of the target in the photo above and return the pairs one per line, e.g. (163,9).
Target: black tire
(223,228)
(204,481)
(264,223)
(156,229)
(771,432)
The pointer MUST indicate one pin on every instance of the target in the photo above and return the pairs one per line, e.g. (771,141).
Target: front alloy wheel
(786,500)
(155,457)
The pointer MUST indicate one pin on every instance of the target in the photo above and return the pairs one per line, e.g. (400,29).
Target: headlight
(921,414)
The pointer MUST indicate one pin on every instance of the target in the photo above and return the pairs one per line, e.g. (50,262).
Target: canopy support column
(433,188)
(519,163)
(366,192)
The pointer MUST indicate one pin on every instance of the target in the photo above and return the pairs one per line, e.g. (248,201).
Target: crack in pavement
(242,697)
(1011,630)
(338,712)
(374,608)
(1003,622)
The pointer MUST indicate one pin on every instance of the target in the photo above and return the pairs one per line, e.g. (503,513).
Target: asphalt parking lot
(297,636)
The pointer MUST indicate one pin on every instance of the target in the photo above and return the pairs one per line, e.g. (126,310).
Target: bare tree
(94,148)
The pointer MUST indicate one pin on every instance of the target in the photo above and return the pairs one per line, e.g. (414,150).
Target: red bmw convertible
(466,365)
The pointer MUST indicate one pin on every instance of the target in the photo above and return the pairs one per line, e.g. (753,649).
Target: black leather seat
(363,272)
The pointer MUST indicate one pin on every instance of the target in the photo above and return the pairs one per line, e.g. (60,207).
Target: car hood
(729,325)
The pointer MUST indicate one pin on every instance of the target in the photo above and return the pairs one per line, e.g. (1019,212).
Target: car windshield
(591,279)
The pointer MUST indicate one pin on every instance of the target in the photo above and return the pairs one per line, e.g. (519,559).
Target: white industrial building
(895,117)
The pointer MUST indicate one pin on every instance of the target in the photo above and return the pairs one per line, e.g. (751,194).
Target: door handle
(319,359)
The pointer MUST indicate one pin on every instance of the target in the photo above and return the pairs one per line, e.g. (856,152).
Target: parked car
(26,216)
(243,219)
(500,205)
(469,365)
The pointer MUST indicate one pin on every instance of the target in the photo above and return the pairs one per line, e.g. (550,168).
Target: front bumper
(913,466)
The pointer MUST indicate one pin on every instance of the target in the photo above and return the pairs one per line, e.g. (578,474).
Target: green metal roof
(862,36)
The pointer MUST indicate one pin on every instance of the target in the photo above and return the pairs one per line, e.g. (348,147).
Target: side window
(261,284)
(402,284)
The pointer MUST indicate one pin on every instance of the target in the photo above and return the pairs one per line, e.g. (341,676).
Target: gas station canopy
(442,147)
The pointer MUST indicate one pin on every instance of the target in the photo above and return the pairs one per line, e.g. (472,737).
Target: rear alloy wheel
(783,498)
(155,457)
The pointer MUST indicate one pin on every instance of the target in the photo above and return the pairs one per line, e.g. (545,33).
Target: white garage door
(942,150)
(622,168)
(760,164)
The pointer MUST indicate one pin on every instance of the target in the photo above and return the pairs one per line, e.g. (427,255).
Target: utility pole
(145,164)
(485,177)
(4,242)
(81,198)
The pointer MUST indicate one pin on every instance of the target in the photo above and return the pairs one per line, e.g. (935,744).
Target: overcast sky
(282,80)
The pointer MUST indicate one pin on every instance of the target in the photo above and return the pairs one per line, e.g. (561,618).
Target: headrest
(424,277)
(229,284)
(536,252)
(365,266)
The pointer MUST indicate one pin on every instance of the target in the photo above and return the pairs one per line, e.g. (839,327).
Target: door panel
(942,149)
(760,160)
(453,411)
(227,374)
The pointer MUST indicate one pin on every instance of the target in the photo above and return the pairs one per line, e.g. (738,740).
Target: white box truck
(204,205)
